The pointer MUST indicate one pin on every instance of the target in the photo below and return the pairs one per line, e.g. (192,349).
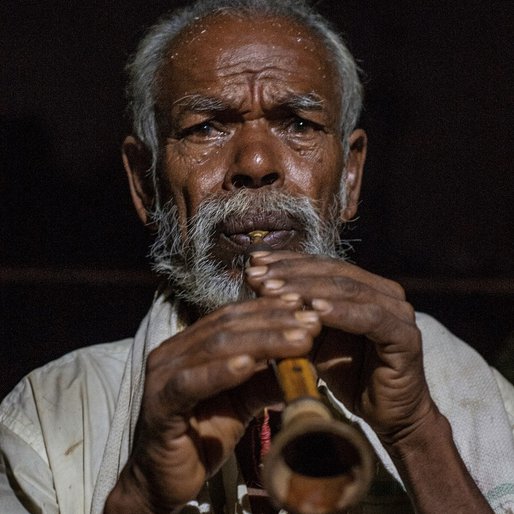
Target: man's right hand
(202,387)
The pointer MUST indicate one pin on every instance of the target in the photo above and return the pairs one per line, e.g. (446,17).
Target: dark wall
(437,201)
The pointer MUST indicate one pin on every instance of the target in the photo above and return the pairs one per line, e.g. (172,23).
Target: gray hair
(144,66)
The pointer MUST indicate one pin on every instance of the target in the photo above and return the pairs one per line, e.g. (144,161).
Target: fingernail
(290,297)
(308,317)
(294,334)
(321,305)
(274,284)
(239,363)
(256,271)
(260,253)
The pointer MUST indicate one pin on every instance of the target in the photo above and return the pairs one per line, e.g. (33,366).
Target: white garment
(55,425)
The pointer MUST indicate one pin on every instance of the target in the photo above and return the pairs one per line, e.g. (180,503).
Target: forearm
(433,472)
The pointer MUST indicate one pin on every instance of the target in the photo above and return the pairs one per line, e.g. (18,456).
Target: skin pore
(255,105)
(254,113)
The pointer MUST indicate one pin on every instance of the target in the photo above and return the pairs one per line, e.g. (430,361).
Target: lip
(282,231)
(270,222)
(277,239)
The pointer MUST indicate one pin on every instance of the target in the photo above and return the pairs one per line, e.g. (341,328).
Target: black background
(437,209)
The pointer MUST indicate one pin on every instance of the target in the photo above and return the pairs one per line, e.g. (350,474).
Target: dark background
(437,203)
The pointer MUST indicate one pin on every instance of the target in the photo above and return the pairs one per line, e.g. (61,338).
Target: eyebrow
(200,103)
(291,101)
(301,102)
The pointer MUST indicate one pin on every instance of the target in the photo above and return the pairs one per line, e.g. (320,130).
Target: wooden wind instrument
(316,464)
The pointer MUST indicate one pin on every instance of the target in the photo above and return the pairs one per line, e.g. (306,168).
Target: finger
(279,313)
(332,289)
(187,386)
(234,311)
(291,340)
(342,289)
(263,335)
(390,332)
(289,264)
(181,342)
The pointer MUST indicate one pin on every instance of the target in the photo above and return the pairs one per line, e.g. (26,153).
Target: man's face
(254,105)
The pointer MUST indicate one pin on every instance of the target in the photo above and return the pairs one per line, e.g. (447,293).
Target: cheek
(319,169)
(192,175)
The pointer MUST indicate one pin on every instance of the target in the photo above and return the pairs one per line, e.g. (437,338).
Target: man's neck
(188,313)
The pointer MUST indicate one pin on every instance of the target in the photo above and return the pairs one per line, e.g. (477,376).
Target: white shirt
(53,430)
(54,426)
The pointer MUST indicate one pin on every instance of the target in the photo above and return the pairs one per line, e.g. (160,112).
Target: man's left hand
(369,353)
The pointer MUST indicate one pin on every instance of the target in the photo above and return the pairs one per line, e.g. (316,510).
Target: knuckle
(410,312)
(397,290)
(349,287)
(227,314)
(182,387)
(416,337)
(409,336)
(400,290)
(375,314)
(176,392)
(175,386)
(217,340)
(347,284)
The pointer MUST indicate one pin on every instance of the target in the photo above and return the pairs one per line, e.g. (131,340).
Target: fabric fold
(461,382)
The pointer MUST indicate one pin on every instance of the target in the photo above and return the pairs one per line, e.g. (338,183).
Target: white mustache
(187,262)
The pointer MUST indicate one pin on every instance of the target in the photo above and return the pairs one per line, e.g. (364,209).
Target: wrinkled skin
(206,383)
(383,381)
(203,385)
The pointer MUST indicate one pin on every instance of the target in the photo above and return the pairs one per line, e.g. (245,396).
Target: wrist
(423,436)
(432,470)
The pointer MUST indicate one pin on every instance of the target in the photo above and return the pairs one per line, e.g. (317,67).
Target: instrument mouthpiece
(256,236)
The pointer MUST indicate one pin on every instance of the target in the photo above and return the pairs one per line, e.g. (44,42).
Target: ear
(137,160)
(354,168)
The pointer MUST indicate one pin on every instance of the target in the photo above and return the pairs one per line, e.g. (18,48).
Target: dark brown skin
(204,384)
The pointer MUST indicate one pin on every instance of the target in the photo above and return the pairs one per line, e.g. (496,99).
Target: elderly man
(244,120)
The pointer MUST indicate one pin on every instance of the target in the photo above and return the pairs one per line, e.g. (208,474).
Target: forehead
(223,51)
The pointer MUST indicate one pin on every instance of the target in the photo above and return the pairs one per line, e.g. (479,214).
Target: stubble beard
(200,280)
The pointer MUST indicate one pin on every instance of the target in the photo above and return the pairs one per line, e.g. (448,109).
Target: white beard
(201,280)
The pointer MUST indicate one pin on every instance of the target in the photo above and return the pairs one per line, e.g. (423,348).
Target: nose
(256,160)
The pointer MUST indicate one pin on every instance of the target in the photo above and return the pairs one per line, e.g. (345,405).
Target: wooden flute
(316,464)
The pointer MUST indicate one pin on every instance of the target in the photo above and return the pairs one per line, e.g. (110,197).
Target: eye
(201,131)
(299,125)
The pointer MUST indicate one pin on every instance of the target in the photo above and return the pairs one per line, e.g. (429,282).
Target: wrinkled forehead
(240,28)
(225,44)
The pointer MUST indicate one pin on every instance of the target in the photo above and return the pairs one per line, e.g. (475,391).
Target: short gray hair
(145,65)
